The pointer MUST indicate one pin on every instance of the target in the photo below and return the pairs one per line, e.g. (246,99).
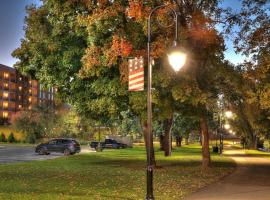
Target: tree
(250,80)
(11,138)
(35,123)
(81,47)
(67,123)
(3,137)
(129,124)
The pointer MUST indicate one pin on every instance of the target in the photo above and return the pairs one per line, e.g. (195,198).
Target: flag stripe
(137,77)
(136,74)
(139,71)
(136,86)
(137,89)
(137,82)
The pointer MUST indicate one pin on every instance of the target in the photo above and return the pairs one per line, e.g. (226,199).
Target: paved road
(12,154)
(250,181)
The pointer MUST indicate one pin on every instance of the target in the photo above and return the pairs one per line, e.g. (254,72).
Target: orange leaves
(201,30)
(107,55)
(91,58)
(121,46)
(101,14)
(205,36)
(102,3)
(126,47)
(124,71)
(137,10)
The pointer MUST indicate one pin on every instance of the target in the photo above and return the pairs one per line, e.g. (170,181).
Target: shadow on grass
(248,155)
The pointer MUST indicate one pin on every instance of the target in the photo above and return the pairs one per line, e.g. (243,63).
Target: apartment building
(18,92)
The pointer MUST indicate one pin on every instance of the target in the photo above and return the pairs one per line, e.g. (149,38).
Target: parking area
(13,154)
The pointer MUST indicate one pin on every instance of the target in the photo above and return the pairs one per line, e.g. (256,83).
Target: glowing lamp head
(227,126)
(177,57)
(228,114)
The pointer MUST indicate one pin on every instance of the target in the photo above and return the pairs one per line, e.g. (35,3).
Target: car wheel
(41,151)
(67,152)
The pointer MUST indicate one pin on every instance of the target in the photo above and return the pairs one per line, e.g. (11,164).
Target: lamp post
(176,60)
(228,115)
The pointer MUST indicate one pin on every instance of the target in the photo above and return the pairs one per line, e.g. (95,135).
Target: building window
(5,114)
(29,99)
(5,94)
(20,88)
(20,97)
(6,85)
(5,104)
(30,91)
(6,75)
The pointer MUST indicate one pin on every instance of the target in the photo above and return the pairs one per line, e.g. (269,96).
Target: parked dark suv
(67,146)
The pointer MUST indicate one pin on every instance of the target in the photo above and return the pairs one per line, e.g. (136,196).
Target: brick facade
(18,92)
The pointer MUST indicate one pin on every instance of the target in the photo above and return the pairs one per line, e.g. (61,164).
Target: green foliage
(11,138)
(3,137)
(67,124)
(183,125)
(129,124)
(82,47)
(31,138)
(38,121)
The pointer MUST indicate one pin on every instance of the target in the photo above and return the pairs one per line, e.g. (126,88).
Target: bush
(31,138)
(11,138)
(3,138)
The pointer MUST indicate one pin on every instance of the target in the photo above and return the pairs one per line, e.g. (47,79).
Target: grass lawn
(257,153)
(111,174)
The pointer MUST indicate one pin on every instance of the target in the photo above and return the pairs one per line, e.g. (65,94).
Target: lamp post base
(149,175)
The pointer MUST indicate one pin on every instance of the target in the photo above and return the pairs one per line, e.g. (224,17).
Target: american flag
(136,74)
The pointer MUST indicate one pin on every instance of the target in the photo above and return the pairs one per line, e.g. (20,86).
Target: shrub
(11,138)
(30,138)
(3,138)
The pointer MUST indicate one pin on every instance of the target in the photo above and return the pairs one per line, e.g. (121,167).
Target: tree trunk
(167,137)
(145,134)
(205,143)
(161,142)
(253,142)
(186,141)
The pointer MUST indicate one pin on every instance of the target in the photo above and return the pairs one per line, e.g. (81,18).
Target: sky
(12,13)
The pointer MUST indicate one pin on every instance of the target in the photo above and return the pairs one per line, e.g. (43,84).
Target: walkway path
(250,181)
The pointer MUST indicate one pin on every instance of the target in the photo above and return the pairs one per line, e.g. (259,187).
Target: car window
(59,141)
(66,141)
(75,142)
(52,142)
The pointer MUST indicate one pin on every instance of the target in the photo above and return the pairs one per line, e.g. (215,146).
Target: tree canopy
(82,48)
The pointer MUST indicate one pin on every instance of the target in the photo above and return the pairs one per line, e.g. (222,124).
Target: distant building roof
(4,67)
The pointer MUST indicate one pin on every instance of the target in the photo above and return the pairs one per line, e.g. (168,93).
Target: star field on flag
(136,74)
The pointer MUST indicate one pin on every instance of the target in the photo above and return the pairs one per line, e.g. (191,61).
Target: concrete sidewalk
(250,181)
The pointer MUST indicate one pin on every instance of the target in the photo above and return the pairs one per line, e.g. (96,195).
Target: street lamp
(228,114)
(177,57)
(176,60)
(227,126)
